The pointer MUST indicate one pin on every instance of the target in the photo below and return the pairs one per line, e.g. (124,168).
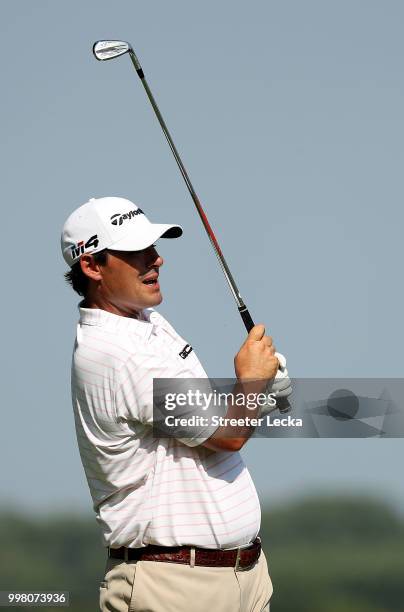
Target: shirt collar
(107,320)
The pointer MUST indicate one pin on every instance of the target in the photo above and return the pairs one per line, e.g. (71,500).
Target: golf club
(110,49)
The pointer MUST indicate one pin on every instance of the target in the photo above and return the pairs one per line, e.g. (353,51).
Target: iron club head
(109,49)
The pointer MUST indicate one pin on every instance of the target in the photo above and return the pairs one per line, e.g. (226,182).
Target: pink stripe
(100,363)
(177,450)
(117,488)
(124,515)
(92,384)
(92,374)
(211,496)
(209,512)
(168,358)
(114,344)
(203,523)
(163,371)
(123,466)
(210,491)
(96,471)
(81,395)
(161,482)
(213,532)
(127,396)
(135,366)
(183,468)
(109,474)
(149,512)
(120,468)
(173,525)
(97,350)
(191,502)
(102,453)
(100,447)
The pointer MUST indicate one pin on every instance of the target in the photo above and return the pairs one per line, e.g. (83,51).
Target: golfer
(180,517)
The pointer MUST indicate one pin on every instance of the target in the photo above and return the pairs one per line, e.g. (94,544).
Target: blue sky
(288,116)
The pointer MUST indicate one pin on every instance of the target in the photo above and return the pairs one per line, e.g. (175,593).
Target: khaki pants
(150,586)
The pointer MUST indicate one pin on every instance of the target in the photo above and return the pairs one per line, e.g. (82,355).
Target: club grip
(283,404)
(247,319)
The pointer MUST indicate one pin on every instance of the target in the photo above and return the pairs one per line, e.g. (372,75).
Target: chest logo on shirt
(185,351)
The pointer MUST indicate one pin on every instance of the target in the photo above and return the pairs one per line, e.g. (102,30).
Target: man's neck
(102,304)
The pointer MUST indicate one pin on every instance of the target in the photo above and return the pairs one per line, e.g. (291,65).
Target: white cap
(110,223)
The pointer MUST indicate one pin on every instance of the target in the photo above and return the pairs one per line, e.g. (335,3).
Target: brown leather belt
(239,558)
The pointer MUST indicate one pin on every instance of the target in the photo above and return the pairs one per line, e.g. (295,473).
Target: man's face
(129,281)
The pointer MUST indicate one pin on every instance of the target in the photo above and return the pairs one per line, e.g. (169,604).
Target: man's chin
(156,299)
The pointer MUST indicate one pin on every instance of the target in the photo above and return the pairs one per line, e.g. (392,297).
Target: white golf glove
(280,386)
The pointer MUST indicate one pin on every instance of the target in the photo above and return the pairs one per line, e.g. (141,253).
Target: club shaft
(283,403)
(243,310)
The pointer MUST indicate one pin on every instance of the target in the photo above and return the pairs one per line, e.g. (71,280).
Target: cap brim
(138,243)
(172,231)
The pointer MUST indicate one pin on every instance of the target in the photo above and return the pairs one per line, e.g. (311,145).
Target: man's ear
(90,267)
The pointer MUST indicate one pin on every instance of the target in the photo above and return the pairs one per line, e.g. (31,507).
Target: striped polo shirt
(149,490)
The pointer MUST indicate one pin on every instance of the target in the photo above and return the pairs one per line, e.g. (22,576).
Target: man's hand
(256,358)
(256,366)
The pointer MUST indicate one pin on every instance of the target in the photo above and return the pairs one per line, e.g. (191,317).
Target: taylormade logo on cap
(118,219)
(110,223)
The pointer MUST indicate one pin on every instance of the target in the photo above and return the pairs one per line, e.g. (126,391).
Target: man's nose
(155,259)
(159,261)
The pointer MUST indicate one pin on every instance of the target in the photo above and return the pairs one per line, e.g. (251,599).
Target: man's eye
(146,250)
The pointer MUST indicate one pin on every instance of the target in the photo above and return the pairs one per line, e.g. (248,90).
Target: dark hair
(76,277)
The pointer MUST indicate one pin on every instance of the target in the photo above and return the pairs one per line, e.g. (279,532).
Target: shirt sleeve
(134,393)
